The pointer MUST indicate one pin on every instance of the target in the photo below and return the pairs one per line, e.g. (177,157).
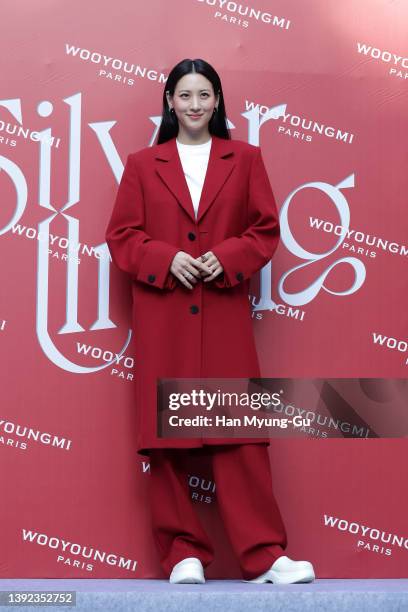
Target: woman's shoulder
(147,154)
(245,150)
(242,145)
(143,154)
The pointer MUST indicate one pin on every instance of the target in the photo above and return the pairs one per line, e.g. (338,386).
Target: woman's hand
(213,264)
(186,268)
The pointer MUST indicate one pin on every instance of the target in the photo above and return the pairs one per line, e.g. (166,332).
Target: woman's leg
(177,530)
(248,507)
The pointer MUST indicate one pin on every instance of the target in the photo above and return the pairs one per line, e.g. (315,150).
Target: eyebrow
(188,91)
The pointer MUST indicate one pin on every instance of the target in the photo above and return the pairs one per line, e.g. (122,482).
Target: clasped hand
(189,270)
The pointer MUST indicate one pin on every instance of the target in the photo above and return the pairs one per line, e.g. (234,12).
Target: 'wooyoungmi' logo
(358,236)
(376,536)
(27,433)
(75,555)
(399,64)
(388,342)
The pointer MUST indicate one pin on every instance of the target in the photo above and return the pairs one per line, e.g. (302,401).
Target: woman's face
(193,95)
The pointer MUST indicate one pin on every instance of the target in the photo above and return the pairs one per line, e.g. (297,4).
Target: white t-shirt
(194,160)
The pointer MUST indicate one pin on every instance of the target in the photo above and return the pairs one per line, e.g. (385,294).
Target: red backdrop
(322,88)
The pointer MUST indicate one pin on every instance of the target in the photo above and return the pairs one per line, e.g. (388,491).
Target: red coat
(152,219)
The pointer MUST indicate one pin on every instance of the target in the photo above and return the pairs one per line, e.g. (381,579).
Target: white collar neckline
(202,144)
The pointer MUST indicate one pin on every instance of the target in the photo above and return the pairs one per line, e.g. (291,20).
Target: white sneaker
(188,571)
(287,571)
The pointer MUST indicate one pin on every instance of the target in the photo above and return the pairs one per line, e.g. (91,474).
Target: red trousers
(245,499)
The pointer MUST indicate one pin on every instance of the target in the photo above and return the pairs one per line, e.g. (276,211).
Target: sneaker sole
(285,577)
(188,580)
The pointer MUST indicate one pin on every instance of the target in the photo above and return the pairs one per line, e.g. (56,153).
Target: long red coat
(205,332)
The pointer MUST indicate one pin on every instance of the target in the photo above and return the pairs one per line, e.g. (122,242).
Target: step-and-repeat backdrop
(322,87)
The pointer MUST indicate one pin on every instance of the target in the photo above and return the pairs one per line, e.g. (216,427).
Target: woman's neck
(189,139)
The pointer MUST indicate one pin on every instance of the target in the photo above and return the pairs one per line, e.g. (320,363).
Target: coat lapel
(220,165)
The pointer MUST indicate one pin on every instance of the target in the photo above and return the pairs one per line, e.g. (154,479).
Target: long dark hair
(169,123)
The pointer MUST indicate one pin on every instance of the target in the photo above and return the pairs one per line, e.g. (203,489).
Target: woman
(194,219)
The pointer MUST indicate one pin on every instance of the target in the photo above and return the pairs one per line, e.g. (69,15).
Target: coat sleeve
(132,250)
(242,256)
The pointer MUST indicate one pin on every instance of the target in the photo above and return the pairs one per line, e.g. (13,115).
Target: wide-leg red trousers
(245,499)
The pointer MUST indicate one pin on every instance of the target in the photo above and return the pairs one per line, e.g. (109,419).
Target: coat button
(194,309)
(191,236)
(240,276)
(151,278)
